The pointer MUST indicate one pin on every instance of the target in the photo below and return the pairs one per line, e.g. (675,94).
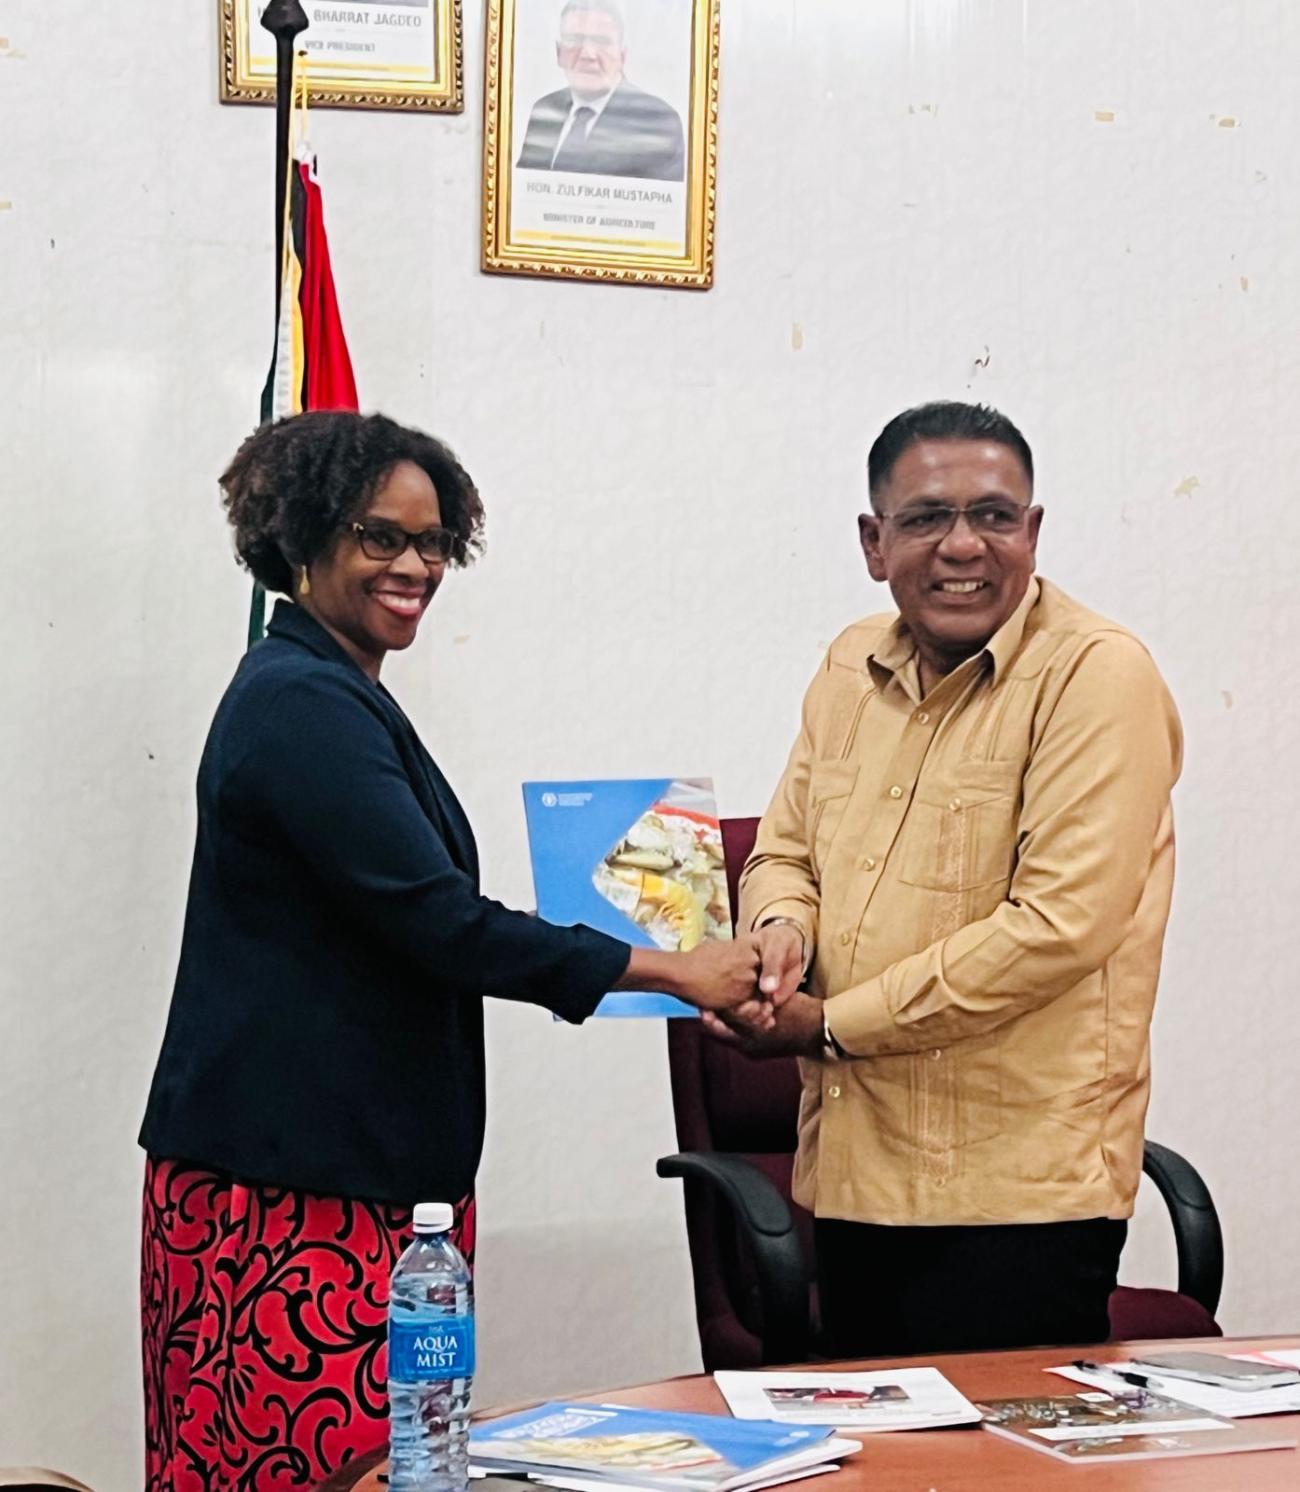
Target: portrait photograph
(361,54)
(600,139)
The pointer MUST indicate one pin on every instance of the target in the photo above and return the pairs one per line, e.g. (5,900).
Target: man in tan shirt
(971,854)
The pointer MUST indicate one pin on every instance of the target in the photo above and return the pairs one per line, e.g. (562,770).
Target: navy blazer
(637,135)
(326,1027)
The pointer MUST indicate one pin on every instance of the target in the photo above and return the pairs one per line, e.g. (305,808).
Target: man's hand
(796,1031)
(781,948)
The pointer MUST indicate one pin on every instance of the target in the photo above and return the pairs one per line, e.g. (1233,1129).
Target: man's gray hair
(611,8)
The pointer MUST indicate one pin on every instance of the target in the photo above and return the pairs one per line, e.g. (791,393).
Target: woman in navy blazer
(322,1068)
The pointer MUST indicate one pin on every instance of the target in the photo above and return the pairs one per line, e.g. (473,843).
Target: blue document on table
(639,859)
(651,1448)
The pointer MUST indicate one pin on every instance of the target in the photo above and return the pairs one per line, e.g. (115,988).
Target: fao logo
(549,800)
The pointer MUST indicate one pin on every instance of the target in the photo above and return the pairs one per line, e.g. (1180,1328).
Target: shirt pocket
(830,785)
(960,831)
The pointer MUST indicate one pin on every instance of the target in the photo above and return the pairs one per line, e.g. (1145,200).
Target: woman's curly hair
(295,485)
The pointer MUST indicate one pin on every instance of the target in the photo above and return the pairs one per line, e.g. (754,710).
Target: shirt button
(834,1090)
(940,1181)
(895,792)
(923,717)
(935,1055)
(845,939)
(868,863)
(955,805)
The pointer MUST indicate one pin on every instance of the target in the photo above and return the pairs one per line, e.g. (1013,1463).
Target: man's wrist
(831,1049)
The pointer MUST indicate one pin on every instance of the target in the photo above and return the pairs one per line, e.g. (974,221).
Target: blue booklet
(651,1448)
(640,859)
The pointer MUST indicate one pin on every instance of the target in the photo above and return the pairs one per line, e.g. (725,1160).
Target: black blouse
(326,1026)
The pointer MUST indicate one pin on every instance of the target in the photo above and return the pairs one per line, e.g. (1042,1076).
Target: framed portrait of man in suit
(361,54)
(600,139)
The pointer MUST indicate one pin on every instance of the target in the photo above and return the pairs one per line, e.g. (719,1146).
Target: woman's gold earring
(304,584)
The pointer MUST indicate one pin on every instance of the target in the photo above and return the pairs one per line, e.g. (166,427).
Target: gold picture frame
(596,197)
(404,54)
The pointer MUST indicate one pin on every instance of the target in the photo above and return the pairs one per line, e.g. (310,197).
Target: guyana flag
(310,366)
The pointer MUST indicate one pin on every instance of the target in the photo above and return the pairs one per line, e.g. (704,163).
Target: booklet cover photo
(637,858)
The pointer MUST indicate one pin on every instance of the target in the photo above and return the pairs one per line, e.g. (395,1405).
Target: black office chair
(752,1248)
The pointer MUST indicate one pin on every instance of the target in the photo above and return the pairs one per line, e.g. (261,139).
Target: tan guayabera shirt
(985,876)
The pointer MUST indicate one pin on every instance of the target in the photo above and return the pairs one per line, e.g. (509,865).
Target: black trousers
(896,1292)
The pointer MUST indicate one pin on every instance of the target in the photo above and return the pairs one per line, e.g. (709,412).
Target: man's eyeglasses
(574,41)
(929,523)
(386,541)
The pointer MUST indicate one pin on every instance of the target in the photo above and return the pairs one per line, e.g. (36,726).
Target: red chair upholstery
(752,1247)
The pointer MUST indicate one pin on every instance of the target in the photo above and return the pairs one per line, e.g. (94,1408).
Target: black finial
(284,19)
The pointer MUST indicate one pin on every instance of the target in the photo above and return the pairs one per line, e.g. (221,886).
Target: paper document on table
(885,1399)
(1129,1425)
(1231,1403)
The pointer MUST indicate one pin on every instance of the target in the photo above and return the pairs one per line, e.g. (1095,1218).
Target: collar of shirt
(596,105)
(897,648)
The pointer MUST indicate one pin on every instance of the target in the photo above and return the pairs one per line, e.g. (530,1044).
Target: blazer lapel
(441,803)
(456,829)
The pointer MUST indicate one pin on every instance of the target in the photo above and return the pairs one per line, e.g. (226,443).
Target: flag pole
(286,21)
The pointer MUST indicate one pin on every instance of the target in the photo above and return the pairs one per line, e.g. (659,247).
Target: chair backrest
(724,1101)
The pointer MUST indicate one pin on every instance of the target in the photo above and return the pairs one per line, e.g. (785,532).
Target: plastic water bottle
(430,1360)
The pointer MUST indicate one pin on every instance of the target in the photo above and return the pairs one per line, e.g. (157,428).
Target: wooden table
(969,1460)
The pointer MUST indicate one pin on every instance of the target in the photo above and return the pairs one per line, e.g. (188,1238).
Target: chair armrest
(764,1221)
(1197,1234)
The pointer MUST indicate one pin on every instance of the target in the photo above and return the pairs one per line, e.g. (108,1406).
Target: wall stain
(1227,699)
(1245,283)
(1104,116)
(1225,121)
(796,337)
(1187,487)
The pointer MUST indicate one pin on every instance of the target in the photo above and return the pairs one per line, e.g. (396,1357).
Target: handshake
(747,991)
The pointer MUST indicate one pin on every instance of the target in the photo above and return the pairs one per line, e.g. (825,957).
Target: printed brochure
(1132,1426)
(640,859)
(885,1399)
(649,1448)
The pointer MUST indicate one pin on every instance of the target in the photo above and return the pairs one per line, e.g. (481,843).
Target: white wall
(1085,213)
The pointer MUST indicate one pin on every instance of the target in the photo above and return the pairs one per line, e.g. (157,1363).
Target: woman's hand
(723,976)
(713,976)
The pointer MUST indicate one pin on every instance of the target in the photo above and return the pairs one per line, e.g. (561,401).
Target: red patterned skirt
(264,1314)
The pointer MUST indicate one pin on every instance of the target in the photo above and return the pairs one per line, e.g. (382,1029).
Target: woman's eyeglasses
(386,541)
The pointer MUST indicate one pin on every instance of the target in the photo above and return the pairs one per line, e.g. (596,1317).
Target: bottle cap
(433,1217)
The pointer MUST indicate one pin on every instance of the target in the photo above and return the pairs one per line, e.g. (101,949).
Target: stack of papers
(601,1446)
(1231,1403)
(1132,1426)
(888,1399)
